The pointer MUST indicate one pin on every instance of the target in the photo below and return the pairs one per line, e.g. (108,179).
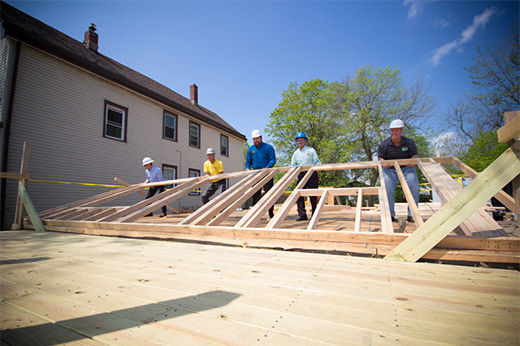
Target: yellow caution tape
(71,183)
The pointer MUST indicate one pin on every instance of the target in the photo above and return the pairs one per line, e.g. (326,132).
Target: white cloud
(442,138)
(479,21)
(414,9)
(442,23)
(443,50)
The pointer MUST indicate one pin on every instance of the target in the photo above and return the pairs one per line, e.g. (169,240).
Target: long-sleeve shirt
(154,174)
(260,157)
(304,157)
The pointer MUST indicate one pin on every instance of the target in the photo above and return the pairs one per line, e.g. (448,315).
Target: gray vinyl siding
(59,108)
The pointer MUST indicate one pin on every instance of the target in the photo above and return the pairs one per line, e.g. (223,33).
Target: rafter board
(477,224)
(408,195)
(453,213)
(250,191)
(507,200)
(510,130)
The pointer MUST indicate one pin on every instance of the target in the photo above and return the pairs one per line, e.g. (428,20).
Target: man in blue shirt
(261,155)
(153,174)
(305,156)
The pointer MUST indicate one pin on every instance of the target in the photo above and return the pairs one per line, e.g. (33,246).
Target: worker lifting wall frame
(204,224)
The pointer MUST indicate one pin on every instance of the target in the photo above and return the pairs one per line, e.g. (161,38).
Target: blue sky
(243,54)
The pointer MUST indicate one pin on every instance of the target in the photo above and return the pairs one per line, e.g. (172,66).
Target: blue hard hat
(301,134)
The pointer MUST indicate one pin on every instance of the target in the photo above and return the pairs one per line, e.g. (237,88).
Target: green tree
(484,151)
(346,121)
(370,100)
(309,107)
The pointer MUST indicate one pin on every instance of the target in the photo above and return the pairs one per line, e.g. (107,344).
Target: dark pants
(258,195)
(312,183)
(151,192)
(212,188)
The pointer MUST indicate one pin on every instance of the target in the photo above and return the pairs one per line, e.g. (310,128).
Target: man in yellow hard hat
(213,167)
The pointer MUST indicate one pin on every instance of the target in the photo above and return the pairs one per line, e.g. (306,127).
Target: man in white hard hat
(153,174)
(398,147)
(261,155)
(213,167)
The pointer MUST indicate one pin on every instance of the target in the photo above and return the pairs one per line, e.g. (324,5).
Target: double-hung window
(224,145)
(115,121)
(170,126)
(194,139)
(193,173)
(169,173)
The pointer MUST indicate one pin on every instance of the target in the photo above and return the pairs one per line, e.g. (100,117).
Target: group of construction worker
(262,155)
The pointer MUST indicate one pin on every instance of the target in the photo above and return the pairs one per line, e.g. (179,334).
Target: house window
(192,173)
(224,145)
(194,135)
(170,126)
(115,121)
(169,173)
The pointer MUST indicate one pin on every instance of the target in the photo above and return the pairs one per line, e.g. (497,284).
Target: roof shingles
(31,31)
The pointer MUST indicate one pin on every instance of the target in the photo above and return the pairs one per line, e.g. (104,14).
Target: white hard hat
(210,151)
(147,160)
(256,133)
(396,124)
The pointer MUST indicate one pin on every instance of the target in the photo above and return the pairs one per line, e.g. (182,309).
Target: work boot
(394,219)
(302,218)
(271,213)
(410,219)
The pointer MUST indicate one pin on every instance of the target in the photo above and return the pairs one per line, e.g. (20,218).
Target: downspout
(6,129)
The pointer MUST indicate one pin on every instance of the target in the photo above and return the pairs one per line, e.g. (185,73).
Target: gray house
(90,118)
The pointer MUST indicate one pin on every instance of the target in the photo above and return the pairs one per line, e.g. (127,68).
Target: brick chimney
(91,38)
(194,94)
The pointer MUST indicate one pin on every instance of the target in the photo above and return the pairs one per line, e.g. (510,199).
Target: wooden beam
(146,202)
(507,200)
(26,200)
(141,192)
(479,224)
(12,175)
(510,130)
(208,211)
(408,195)
(340,191)
(317,213)
(255,214)
(289,202)
(24,170)
(465,203)
(357,225)
(165,199)
(386,218)
(243,198)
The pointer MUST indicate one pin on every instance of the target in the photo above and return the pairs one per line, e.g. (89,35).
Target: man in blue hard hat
(396,147)
(305,156)
(261,155)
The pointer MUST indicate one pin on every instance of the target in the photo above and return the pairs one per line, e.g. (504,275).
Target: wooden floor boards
(77,289)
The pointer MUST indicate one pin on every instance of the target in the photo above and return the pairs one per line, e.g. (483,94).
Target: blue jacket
(263,157)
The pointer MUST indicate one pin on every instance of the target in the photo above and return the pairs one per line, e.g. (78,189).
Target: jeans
(151,192)
(258,195)
(391,181)
(212,188)
(312,183)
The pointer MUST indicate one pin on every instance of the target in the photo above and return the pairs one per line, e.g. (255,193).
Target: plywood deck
(77,289)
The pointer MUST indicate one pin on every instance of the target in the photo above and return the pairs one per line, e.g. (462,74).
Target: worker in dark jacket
(398,147)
